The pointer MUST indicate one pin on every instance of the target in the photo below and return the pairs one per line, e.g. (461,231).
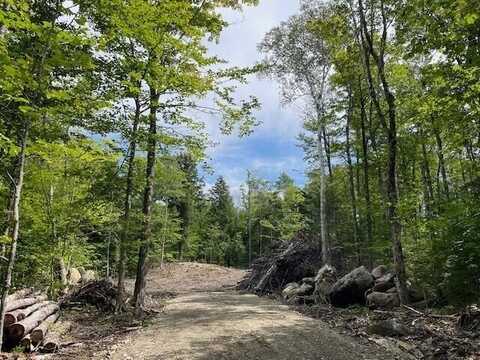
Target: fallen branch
(437,316)
(413,310)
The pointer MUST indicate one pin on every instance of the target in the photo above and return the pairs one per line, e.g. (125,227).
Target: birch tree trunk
(351,179)
(318,97)
(366,174)
(326,146)
(15,227)
(323,219)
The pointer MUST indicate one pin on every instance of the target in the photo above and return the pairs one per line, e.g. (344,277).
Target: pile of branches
(289,262)
(100,293)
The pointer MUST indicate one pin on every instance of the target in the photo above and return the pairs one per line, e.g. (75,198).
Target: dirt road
(227,325)
(204,318)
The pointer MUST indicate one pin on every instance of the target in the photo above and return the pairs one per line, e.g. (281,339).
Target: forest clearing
(240,179)
(201,316)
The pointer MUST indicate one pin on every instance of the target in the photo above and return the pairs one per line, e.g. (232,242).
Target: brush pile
(99,293)
(288,262)
(27,321)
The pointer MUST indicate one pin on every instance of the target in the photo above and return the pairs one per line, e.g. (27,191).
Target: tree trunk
(164,237)
(19,294)
(441,162)
(21,303)
(127,208)
(351,181)
(323,217)
(427,177)
(15,227)
(326,145)
(26,344)
(63,271)
(3,251)
(140,281)
(391,130)
(366,175)
(249,204)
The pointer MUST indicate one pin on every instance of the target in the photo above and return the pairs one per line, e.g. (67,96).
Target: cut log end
(9,320)
(16,332)
(51,344)
(39,333)
(50,347)
(26,344)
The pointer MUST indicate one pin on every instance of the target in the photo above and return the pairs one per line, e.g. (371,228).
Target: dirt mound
(187,277)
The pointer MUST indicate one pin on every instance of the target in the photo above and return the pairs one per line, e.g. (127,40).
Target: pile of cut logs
(27,320)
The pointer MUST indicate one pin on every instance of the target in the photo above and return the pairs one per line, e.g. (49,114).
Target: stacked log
(22,303)
(17,331)
(26,344)
(51,343)
(19,294)
(27,321)
(38,334)
(13,316)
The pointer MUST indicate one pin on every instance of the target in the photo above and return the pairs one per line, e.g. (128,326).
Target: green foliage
(448,263)
(63,214)
(275,212)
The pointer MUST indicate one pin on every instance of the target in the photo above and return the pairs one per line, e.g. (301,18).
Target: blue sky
(272,148)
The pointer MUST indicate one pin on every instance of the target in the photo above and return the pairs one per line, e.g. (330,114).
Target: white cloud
(280,125)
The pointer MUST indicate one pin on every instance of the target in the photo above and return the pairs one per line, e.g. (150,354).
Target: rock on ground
(290,289)
(294,291)
(379,271)
(383,300)
(390,327)
(351,288)
(324,281)
(74,276)
(309,281)
(384,283)
(88,275)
